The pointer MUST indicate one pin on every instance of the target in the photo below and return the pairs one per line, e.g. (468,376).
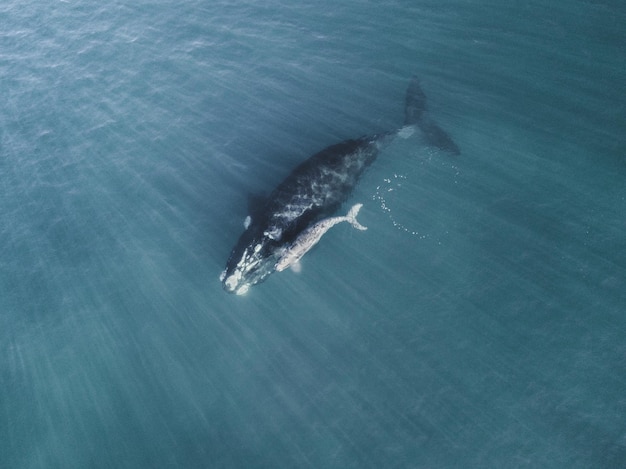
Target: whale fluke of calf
(311,194)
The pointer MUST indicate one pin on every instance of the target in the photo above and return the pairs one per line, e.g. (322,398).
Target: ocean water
(480,321)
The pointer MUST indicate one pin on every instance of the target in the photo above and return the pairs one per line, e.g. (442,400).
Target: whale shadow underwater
(314,190)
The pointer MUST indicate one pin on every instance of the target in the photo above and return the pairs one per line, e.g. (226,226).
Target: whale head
(252,260)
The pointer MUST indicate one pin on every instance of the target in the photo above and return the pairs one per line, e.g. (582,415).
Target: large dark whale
(314,190)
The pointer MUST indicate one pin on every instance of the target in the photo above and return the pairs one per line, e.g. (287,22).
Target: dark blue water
(479,322)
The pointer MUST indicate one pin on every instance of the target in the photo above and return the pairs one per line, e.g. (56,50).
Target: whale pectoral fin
(296,267)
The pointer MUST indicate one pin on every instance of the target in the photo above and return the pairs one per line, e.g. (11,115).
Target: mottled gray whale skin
(315,190)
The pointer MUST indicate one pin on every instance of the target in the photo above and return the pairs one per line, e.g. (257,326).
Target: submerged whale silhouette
(315,190)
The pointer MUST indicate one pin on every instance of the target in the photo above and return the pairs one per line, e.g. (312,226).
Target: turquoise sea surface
(480,321)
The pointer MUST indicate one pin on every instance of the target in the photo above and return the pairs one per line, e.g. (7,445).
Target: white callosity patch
(233,280)
(242,290)
(232,283)
(248,262)
(273,233)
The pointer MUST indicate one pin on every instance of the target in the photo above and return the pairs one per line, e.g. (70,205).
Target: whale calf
(314,191)
(310,237)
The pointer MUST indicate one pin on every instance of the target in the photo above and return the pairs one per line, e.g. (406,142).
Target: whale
(315,190)
(312,235)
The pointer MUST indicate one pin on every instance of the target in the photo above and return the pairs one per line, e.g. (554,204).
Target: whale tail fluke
(351,217)
(437,137)
(415,114)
